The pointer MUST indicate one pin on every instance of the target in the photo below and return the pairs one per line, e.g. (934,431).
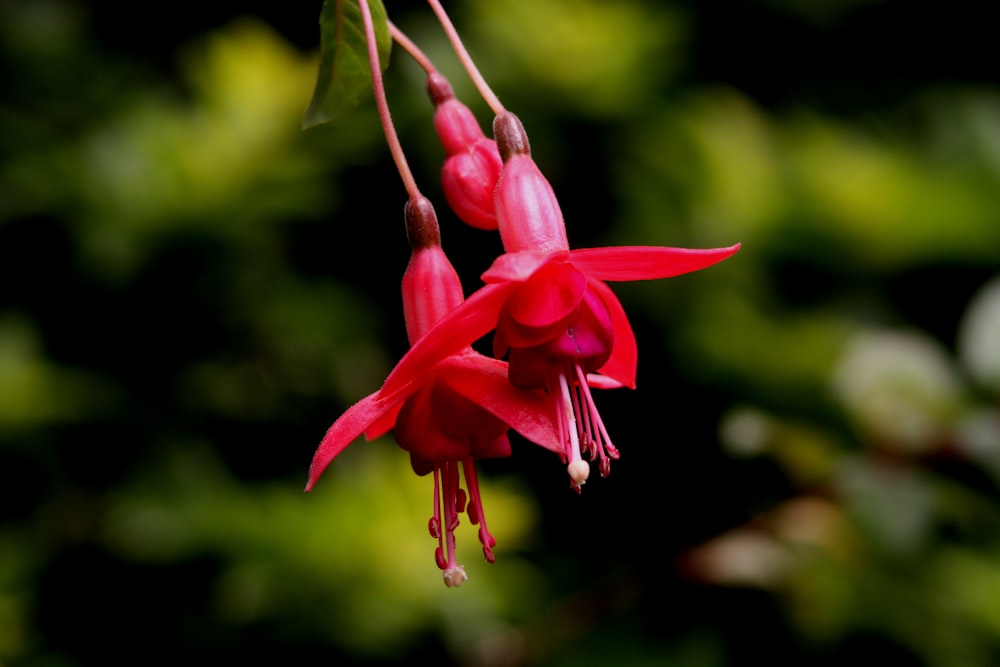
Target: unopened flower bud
(455,124)
(471,170)
(527,210)
(431,287)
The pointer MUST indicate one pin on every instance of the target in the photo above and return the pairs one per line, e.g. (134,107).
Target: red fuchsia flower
(452,411)
(472,167)
(561,327)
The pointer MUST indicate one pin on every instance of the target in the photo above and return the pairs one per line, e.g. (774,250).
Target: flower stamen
(569,429)
(450,500)
(601,441)
(581,428)
(475,510)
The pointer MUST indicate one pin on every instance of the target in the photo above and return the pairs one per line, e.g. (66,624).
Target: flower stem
(400,38)
(383,106)
(463,55)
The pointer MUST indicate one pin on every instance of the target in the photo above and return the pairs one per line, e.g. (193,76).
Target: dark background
(192,288)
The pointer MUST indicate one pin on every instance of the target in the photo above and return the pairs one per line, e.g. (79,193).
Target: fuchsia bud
(456,126)
(431,287)
(470,172)
(528,214)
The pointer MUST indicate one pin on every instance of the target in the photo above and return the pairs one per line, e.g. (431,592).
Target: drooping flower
(562,328)
(472,166)
(452,411)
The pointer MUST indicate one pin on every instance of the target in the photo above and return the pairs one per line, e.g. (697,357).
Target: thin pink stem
(400,37)
(383,106)
(463,55)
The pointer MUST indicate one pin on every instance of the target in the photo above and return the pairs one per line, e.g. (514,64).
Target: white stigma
(579,471)
(454,576)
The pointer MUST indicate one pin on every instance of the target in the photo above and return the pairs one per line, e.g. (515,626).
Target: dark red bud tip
(438,88)
(510,136)
(422,229)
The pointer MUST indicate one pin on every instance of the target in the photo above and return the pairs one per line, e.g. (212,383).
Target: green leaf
(344,73)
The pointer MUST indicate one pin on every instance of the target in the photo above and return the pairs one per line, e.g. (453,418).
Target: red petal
(531,367)
(346,430)
(484,381)
(499,448)
(588,336)
(438,424)
(645,262)
(518,266)
(512,334)
(552,293)
(383,424)
(469,322)
(625,353)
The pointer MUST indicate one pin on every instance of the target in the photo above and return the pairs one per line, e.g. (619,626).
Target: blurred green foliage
(192,288)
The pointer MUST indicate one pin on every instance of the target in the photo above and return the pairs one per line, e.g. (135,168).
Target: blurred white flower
(900,388)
